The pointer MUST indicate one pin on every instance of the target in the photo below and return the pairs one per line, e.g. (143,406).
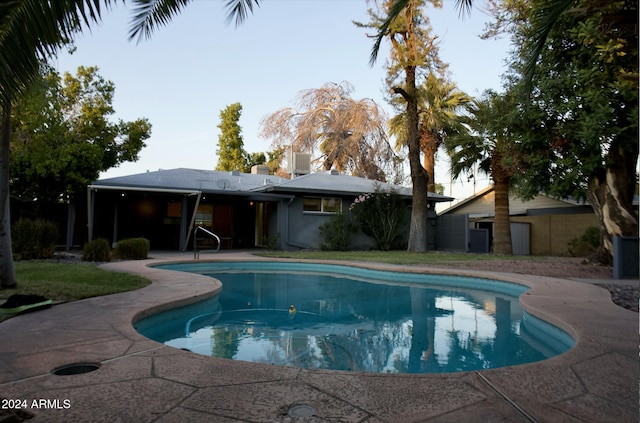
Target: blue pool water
(319,316)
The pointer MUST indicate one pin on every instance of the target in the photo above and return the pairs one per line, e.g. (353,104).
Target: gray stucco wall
(299,229)
(302,228)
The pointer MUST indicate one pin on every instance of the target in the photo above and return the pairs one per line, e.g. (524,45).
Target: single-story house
(541,226)
(244,209)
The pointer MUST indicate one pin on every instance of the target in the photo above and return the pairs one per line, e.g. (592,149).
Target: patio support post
(115,224)
(183,224)
(71,217)
(90,204)
(193,219)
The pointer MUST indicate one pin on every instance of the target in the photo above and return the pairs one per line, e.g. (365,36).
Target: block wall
(551,234)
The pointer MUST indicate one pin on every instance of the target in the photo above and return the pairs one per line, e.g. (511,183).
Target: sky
(193,68)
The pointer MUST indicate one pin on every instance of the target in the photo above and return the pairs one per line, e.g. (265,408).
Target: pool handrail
(196,252)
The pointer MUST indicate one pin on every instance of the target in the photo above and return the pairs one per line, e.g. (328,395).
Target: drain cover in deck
(301,410)
(75,369)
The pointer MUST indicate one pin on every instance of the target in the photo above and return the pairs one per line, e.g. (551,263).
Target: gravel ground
(557,267)
(624,295)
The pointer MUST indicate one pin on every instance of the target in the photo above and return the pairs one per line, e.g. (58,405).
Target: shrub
(381,215)
(337,233)
(272,243)
(34,239)
(132,249)
(588,242)
(97,250)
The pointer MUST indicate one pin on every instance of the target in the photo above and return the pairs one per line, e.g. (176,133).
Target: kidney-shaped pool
(320,316)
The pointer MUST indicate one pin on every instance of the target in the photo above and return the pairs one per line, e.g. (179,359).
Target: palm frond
(33,30)
(544,17)
(240,10)
(463,6)
(150,14)
(396,8)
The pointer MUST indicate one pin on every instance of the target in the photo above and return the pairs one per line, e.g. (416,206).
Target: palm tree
(414,53)
(32,31)
(486,142)
(395,9)
(439,103)
(544,16)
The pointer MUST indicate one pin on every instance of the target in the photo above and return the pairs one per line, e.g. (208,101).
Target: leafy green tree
(253,159)
(230,152)
(578,65)
(582,108)
(274,158)
(63,136)
(271,159)
(32,31)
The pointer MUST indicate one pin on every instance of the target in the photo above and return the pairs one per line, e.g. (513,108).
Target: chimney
(259,170)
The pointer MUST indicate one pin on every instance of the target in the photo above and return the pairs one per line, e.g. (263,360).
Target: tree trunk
(502,223)
(429,148)
(419,178)
(611,196)
(7,271)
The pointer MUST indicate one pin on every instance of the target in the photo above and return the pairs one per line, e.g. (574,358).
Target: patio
(139,380)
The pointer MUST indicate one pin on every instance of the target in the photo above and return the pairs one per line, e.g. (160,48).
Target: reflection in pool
(332,321)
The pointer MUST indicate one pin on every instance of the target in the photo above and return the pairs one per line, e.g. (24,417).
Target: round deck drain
(75,369)
(301,410)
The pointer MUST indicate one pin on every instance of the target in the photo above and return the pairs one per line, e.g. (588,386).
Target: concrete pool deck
(140,380)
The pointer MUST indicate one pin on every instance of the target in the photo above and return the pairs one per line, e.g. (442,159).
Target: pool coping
(141,380)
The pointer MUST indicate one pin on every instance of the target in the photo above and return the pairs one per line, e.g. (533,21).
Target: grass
(396,257)
(70,282)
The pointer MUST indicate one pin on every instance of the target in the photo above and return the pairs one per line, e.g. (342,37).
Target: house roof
(332,182)
(482,202)
(209,181)
(468,200)
(236,183)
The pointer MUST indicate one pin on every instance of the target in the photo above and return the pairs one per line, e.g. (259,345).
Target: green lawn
(70,282)
(395,257)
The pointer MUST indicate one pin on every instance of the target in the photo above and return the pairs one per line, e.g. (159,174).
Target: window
(331,205)
(310,204)
(322,204)
(204,215)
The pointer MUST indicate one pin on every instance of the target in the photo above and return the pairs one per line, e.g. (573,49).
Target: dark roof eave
(436,198)
(251,195)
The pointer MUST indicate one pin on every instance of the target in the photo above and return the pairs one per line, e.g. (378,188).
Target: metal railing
(196,252)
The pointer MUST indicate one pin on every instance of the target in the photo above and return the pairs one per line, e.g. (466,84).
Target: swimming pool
(320,316)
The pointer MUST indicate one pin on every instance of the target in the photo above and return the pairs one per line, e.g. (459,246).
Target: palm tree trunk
(429,147)
(7,271)
(419,178)
(502,223)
